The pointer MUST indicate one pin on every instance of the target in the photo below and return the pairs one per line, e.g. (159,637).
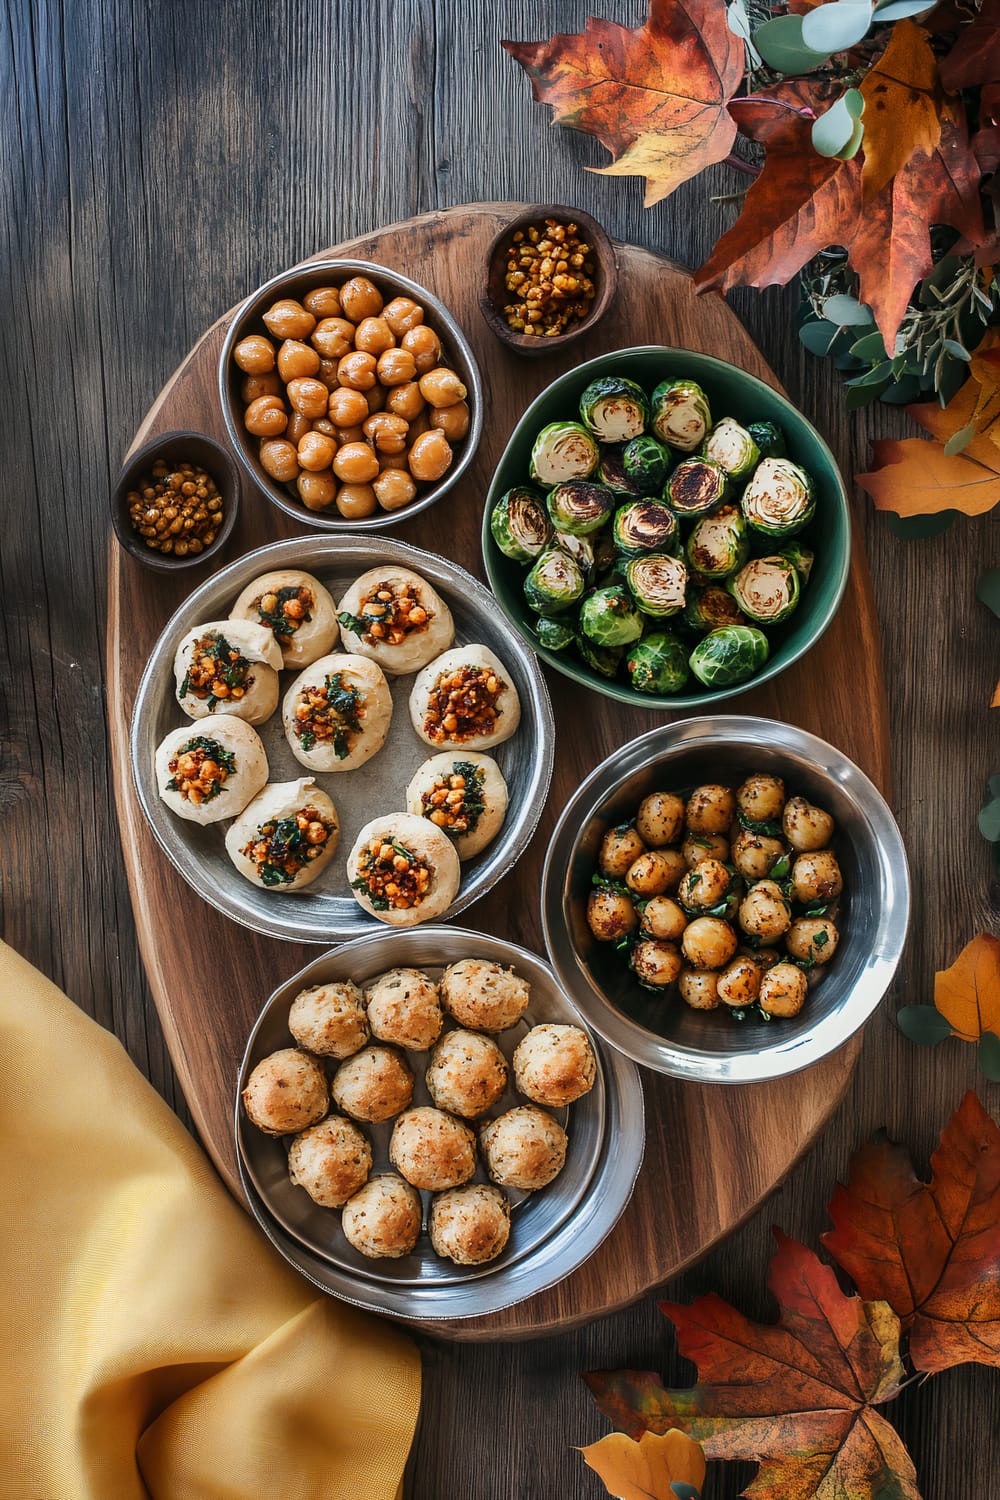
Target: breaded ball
(432,1150)
(467,1073)
(330,1160)
(524,1148)
(329,1019)
(554,1065)
(470,1225)
(286,1092)
(373,1085)
(383,1219)
(484,996)
(404,1007)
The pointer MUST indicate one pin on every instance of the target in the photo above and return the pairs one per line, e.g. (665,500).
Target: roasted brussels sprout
(731,445)
(696,486)
(680,414)
(579,506)
(780,498)
(729,655)
(647,462)
(711,607)
(604,660)
(580,549)
(658,664)
(609,617)
(614,409)
(554,584)
(769,439)
(801,558)
(520,526)
(563,450)
(658,583)
(645,526)
(611,471)
(766,590)
(554,635)
(719,543)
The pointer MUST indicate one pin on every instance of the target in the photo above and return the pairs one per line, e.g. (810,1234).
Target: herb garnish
(229,667)
(211,750)
(334,721)
(283,625)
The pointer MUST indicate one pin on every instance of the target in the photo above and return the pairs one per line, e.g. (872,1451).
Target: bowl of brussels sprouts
(726,899)
(667,529)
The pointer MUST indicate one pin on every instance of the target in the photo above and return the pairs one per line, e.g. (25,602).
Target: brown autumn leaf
(654,95)
(968,994)
(798,1397)
(903,106)
(974,61)
(645,1470)
(930,1249)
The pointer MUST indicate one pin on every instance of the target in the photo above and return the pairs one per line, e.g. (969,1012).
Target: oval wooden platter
(712,1153)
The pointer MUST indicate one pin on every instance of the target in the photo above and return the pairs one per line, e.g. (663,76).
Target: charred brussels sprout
(645,526)
(579,506)
(611,471)
(801,559)
(608,617)
(658,664)
(614,409)
(769,439)
(604,660)
(696,486)
(719,543)
(563,450)
(780,499)
(729,655)
(731,445)
(711,607)
(554,584)
(658,583)
(554,635)
(647,462)
(520,525)
(680,414)
(766,590)
(579,548)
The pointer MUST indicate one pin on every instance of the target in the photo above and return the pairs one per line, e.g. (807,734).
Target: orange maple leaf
(654,95)
(968,994)
(903,106)
(645,1470)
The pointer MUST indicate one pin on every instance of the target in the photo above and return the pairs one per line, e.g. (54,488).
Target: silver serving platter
(552,1231)
(326,911)
(663,1033)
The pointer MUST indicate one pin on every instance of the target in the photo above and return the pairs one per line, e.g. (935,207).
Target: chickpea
(402,314)
(316,452)
(755,854)
(424,345)
(610,914)
(255,354)
(394,488)
(266,417)
(649,875)
(288,319)
(298,426)
(421,423)
(654,964)
(349,435)
(376,397)
(708,943)
(430,456)
(812,939)
(761,798)
(620,848)
(322,302)
(308,396)
(333,337)
(396,367)
(452,420)
(355,501)
(705,885)
(806,827)
(699,989)
(386,431)
(325,426)
(393,461)
(441,387)
(816,877)
(374,336)
(782,990)
(355,463)
(406,401)
(279,459)
(710,809)
(347,407)
(764,912)
(253,386)
(317,491)
(360,298)
(739,982)
(663,919)
(357,370)
(295,359)
(327,372)
(699,846)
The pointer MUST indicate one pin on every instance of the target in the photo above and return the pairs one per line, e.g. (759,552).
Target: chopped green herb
(283,626)
(821,939)
(759,825)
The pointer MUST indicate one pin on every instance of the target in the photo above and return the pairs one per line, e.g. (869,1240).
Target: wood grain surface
(158,163)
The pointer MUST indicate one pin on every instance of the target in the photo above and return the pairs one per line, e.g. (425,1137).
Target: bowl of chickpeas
(726,899)
(350,394)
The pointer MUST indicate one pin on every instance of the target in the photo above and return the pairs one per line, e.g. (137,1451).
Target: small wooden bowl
(176,447)
(496,296)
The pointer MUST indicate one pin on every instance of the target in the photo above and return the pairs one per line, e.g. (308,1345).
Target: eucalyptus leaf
(779,42)
(919,528)
(684,1491)
(836,26)
(875,376)
(819,336)
(862,395)
(846,311)
(906,389)
(959,440)
(989,821)
(951,377)
(923,1025)
(988,589)
(739,24)
(957,349)
(897,10)
(989,1055)
(853,146)
(834,132)
(869,346)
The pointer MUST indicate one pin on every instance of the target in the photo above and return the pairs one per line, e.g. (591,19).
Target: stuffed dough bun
(208,776)
(464,794)
(297,610)
(228,667)
(337,713)
(465,700)
(394,616)
(286,836)
(403,870)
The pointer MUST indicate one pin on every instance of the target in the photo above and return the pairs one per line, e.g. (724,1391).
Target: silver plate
(326,911)
(552,1231)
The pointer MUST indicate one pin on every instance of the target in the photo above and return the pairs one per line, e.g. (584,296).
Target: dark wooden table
(159,162)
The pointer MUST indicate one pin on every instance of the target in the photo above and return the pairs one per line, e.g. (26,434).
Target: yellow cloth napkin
(152,1343)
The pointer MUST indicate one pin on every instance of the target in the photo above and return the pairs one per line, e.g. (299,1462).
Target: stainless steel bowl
(456,352)
(709,1046)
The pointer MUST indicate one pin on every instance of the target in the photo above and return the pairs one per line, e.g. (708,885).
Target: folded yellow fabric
(152,1343)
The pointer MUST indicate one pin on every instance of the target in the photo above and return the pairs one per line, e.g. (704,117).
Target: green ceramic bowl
(731,392)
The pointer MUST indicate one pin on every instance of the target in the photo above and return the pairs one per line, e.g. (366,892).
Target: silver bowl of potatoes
(350,394)
(726,899)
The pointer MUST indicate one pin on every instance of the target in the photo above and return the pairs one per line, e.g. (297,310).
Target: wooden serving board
(712,1153)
